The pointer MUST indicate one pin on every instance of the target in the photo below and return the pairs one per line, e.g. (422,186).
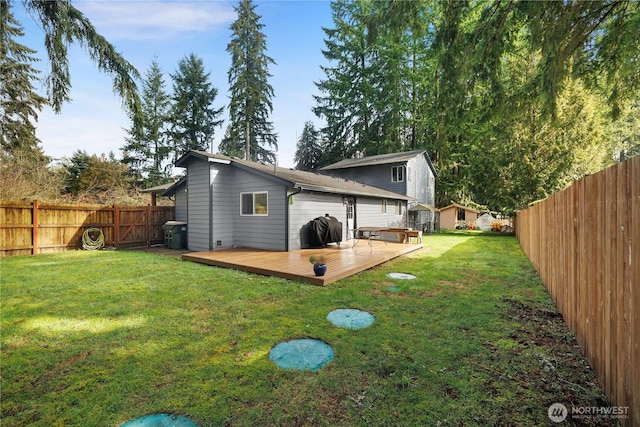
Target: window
(384,207)
(254,203)
(398,207)
(397,173)
(461,214)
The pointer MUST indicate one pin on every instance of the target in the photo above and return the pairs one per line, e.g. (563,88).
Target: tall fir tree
(249,131)
(147,149)
(193,117)
(19,102)
(444,76)
(346,94)
(308,154)
(62,24)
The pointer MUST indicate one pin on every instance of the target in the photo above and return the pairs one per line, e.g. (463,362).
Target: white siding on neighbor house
(222,206)
(181,203)
(258,231)
(198,193)
(307,206)
(421,182)
(369,213)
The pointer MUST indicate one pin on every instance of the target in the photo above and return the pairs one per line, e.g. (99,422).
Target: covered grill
(324,230)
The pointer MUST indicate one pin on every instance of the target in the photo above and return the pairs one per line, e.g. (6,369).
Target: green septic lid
(160,420)
(305,354)
(401,276)
(351,318)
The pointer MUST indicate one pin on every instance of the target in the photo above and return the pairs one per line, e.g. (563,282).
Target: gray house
(230,202)
(410,173)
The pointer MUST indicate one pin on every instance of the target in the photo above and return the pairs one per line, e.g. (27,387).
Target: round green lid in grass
(350,318)
(160,420)
(304,354)
(401,276)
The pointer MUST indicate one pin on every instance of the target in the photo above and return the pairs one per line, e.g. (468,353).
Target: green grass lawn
(100,338)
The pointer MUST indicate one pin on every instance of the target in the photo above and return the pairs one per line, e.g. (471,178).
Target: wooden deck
(343,261)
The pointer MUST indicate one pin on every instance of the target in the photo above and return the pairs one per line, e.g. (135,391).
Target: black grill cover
(324,230)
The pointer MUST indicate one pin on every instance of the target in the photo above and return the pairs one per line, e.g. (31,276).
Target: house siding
(421,183)
(377,176)
(369,213)
(419,180)
(222,206)
(261,232)
(198,196)
(181,204)
(308,206)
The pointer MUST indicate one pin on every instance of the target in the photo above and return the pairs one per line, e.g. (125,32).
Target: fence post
(34,231)
(148,225)
(116,225)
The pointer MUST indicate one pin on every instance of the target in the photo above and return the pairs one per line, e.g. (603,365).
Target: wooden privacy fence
(585,244)
(43,228)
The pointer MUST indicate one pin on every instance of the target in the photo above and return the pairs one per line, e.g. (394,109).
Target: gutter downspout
(286,216)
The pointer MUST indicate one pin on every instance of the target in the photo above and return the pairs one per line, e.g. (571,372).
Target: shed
(457,216)
(485,222)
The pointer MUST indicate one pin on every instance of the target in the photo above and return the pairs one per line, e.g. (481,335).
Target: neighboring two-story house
(410,173)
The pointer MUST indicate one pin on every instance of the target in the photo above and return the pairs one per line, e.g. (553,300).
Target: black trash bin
(175,234)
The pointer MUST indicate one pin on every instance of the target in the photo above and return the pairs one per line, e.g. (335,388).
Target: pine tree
(193,118)
(147,150)
(250,130)
(19,102)
(308,150)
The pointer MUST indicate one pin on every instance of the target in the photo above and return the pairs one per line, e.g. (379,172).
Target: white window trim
(383,207)
(253,193)
(401,169)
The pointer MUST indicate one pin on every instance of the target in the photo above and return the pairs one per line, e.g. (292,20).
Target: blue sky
(169,31)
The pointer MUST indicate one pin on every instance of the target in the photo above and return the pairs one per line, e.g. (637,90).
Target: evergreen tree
(626,133)
(308,150)
(95,179)
(19,103)
(250,130)
(346,94)
(147,150)
(193,118)
(62,25)
(496,92)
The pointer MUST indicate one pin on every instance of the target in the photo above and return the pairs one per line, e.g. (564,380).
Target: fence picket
(53,228)
(589,261)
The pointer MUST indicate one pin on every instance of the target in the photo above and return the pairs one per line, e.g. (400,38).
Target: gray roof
(298,179)
(380,159)
(158,189)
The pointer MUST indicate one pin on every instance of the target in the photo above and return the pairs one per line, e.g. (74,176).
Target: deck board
(342,261)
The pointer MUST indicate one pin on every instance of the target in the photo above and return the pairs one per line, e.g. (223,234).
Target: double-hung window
(254,203)
(397,173)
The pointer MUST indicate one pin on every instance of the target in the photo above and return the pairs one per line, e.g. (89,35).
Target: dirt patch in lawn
(542,357)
